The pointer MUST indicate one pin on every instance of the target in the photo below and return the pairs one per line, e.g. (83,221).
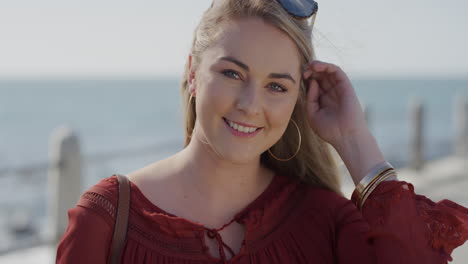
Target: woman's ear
(192,89)
(191,77)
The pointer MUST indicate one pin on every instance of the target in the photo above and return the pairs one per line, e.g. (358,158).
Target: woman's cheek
(279,116)
(224,92)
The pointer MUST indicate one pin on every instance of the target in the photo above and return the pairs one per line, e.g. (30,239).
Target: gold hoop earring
(193,130)
(187,109)
(298,147)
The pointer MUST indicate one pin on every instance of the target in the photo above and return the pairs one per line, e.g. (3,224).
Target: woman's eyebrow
(282,76)
(245,67)
(235,61)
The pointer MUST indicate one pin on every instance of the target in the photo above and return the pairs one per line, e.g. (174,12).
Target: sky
(151,38)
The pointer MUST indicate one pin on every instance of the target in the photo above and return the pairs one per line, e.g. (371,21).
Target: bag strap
(121,220)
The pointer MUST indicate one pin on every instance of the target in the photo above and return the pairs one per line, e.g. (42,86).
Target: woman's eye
(273,86)
(277,88)
(231,74)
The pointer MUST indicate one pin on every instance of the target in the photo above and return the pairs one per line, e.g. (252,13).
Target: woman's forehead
(258,45)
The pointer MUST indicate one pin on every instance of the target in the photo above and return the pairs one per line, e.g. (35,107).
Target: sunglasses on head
(301,9)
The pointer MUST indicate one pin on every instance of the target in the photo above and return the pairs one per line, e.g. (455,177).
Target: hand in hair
(336,116)
(334,110)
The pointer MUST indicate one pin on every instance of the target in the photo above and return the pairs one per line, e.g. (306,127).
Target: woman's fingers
(328,75)
(334,72)
(313,96)
(320,66)
(322,72)
(317,69)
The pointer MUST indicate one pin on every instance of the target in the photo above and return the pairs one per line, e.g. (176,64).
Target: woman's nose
(249,100)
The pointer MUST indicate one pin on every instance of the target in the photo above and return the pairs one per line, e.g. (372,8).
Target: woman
(256,182)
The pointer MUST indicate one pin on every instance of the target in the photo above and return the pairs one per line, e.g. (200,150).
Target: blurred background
(100,79)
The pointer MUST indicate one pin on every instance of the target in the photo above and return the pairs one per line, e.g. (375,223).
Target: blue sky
(143,38)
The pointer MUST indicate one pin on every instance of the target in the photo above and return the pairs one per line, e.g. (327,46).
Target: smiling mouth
(241,128)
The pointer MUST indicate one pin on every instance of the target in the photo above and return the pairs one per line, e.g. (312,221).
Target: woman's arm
(402,227)
(360,153)
(336,116)
(381,239)
(86,239)
(398,226)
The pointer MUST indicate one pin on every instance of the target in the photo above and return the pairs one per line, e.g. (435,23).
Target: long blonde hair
(314,164)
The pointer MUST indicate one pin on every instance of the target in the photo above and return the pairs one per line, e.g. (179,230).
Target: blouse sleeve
(398,226)
(86,239)
(90,228)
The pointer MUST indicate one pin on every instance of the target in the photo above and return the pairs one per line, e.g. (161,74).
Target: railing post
(367,113)
(64,179)
(416,134)
(461,127)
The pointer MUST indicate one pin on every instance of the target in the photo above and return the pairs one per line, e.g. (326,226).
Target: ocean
(115,116)
(112,115)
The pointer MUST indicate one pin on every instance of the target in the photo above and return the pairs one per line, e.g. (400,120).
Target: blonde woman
(256,181)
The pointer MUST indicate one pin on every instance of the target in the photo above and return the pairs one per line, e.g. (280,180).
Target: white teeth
(240,128)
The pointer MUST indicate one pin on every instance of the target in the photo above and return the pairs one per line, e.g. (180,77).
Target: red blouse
(290,222)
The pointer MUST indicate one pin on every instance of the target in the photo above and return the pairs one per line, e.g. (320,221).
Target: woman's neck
(218,183)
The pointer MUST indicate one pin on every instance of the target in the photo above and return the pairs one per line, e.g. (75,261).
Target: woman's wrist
(360,153)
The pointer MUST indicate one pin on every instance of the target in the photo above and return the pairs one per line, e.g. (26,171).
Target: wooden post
(366,109)
(416,134)
(64,179)
(461,126)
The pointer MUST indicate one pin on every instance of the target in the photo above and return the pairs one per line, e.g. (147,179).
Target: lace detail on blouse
(98,201)
(446,221)
(394,210)
(159,241)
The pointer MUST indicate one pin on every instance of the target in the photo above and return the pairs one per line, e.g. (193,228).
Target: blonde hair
(314,164)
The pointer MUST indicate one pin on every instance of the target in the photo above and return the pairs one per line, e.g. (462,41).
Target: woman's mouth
(241,130)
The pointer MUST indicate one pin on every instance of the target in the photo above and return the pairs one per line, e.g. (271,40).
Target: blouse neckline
(276,182)
(264,218)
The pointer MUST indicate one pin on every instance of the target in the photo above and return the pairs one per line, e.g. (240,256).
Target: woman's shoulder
(102,197)
(107,188)
(325,201)
(320,197)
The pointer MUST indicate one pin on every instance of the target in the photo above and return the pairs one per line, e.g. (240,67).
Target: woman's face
(247,85)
